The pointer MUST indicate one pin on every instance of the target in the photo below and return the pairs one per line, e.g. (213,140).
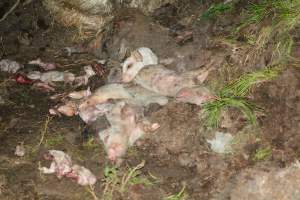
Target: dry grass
(181,195)
(44,130)
(87,25)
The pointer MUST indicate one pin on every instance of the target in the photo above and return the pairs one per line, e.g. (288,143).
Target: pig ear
(184,92)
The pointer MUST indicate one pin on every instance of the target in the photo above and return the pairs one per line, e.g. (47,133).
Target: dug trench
(178,154)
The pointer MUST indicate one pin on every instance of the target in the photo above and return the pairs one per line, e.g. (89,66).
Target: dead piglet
(138,59)
(115,143)
(82,175)
(80,94)
(52,76)
(163,81)
(91,113)
(10,66)
(103,94)
(136,94)
(61,163)
(158,79)
(69,109)
(43,65)
(197,95)
(45,87)
(84,79)
(126,128)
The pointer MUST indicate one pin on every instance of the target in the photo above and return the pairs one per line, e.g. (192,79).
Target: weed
(285,16)
(256,13)
(116,181)
(213,109)
(44,131)
(91,190)
(234,95)
(54,140)
(284,13)
(91,143)
(262,154)
(216,9)
(283,48)
(242,86)
(180,196)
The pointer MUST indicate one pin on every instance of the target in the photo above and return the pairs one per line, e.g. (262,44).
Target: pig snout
(114,152)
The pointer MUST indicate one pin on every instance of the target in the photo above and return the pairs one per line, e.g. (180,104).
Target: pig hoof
(155,126)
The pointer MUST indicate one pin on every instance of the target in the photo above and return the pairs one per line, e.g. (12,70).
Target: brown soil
(177,154)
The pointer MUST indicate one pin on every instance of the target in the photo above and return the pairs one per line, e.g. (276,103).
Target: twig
(126,179)
(91,190)
(10,10)
(44,131)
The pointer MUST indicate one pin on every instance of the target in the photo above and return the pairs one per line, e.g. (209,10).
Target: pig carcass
(52,76)
(166,82)
(127,126)
(138,59)
(133,93)
(82,175)
(61,163)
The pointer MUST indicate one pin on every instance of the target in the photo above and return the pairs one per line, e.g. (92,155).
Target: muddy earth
(178,155)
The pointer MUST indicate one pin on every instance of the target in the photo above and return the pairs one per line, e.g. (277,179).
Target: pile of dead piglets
(143,81)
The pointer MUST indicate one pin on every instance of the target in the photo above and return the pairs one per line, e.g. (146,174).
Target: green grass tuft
(214,109)
(242,86)
(119,181)
(284,16)
(262,154)
(54,140)
(216,10)
(234,95)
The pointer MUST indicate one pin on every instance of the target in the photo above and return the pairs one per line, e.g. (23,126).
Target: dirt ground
(178,154)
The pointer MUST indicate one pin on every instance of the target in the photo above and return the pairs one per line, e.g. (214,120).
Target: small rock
(20,150)
(221,142)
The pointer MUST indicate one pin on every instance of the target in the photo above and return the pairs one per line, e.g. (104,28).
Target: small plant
(214,109)
(262,154)
(44,131)
(54,140)
(242,86)
(180,196)
(255,13)
(216,9)
(234,95)
(116,181)
(91,143)
(285,16)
